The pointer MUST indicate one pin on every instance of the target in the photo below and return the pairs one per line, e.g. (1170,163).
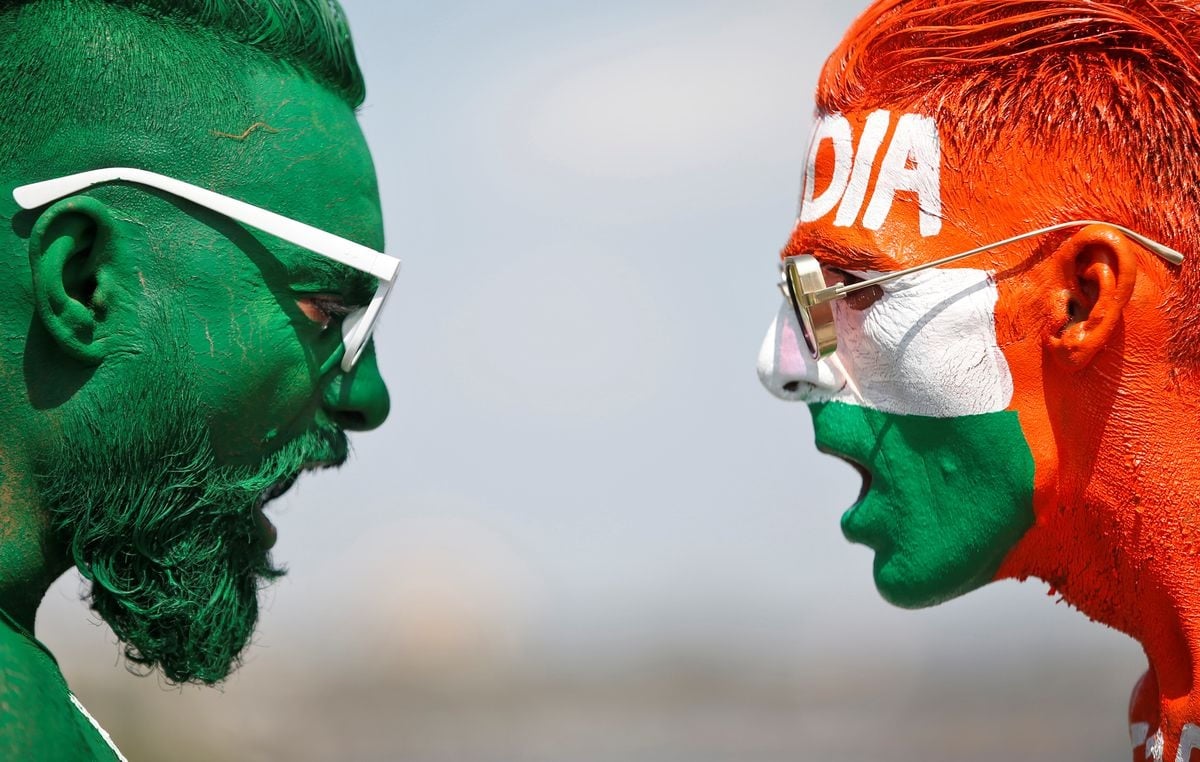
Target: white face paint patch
(927,347)
(911,164)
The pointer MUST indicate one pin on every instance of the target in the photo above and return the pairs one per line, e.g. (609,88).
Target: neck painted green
(30,560)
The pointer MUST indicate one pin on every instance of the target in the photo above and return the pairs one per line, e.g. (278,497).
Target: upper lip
(316,465)
(277,489)
(283,485)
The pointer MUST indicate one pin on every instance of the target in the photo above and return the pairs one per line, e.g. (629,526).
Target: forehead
(297,150)
(885,189)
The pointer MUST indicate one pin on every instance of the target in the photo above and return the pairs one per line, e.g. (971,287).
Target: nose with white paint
(787,368)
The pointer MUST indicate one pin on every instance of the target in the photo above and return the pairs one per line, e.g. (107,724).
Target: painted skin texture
(1089,323)
(940,515)
(95,282)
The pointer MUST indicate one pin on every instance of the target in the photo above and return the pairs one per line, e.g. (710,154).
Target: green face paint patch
(948,498)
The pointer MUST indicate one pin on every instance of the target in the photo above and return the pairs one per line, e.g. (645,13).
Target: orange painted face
(1031,343)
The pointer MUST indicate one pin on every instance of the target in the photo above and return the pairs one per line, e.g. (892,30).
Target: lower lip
(266,529)
(866,481)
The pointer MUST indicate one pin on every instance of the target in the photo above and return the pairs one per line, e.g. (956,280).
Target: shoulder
(37,717)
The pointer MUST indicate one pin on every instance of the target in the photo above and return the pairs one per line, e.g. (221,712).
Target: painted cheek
(285,374)
(928,347)
(1020,320)
(260,390)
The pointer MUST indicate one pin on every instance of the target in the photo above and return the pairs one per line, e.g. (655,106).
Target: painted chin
(902,580)
(863,524)
(897,586)
(918,582)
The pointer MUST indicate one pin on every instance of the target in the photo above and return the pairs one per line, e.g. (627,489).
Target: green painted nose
(358,400)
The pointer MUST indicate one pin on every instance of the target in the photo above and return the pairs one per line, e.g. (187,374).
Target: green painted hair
(310,34)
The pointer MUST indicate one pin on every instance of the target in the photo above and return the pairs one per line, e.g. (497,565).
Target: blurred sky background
(586,532)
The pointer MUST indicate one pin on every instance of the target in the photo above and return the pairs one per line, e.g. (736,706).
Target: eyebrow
(301,263)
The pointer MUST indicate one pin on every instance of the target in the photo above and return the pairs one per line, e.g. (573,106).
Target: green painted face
(946,500)
(261,316)
(181,359)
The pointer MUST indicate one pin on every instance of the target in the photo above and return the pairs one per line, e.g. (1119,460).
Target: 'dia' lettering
(835,129)
(912,163)
(869,144)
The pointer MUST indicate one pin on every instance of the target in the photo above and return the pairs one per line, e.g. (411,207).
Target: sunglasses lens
(803,277)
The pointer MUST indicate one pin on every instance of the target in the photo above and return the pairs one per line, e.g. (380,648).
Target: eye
(858,300)
(324,309)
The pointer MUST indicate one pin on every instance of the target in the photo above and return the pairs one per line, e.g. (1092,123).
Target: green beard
(169,539)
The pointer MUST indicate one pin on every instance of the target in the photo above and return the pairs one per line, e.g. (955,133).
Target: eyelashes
(858,300)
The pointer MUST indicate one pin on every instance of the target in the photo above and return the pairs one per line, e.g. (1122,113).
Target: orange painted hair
(1110,90)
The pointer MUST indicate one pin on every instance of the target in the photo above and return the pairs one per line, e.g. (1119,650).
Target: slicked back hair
(311,34)
(1108,89)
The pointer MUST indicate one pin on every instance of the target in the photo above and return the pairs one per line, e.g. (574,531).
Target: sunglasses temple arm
(838,291)
(294,232)
(334,361)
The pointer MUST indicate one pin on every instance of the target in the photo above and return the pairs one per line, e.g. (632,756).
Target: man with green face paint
(193,277)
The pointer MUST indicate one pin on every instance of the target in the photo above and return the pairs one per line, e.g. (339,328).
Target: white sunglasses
(357,326)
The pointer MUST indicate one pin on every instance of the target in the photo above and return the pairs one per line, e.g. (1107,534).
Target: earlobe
(1098,268)
(67,258)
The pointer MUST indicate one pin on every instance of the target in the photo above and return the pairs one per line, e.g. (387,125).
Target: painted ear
(1098,268)
(69,256)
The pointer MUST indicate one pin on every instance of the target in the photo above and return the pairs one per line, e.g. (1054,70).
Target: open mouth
(859,467)
(276,490)
(866,479)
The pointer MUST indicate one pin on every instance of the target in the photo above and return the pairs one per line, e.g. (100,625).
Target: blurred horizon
(586,532)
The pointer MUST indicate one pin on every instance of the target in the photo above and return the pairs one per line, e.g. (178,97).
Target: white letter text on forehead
(912,163)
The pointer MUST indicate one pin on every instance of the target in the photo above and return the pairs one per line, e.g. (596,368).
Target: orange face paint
(1038,119)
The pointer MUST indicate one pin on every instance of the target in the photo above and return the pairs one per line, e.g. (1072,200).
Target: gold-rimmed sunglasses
(803,282)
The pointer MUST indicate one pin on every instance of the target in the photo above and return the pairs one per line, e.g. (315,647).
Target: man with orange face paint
(990,310)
